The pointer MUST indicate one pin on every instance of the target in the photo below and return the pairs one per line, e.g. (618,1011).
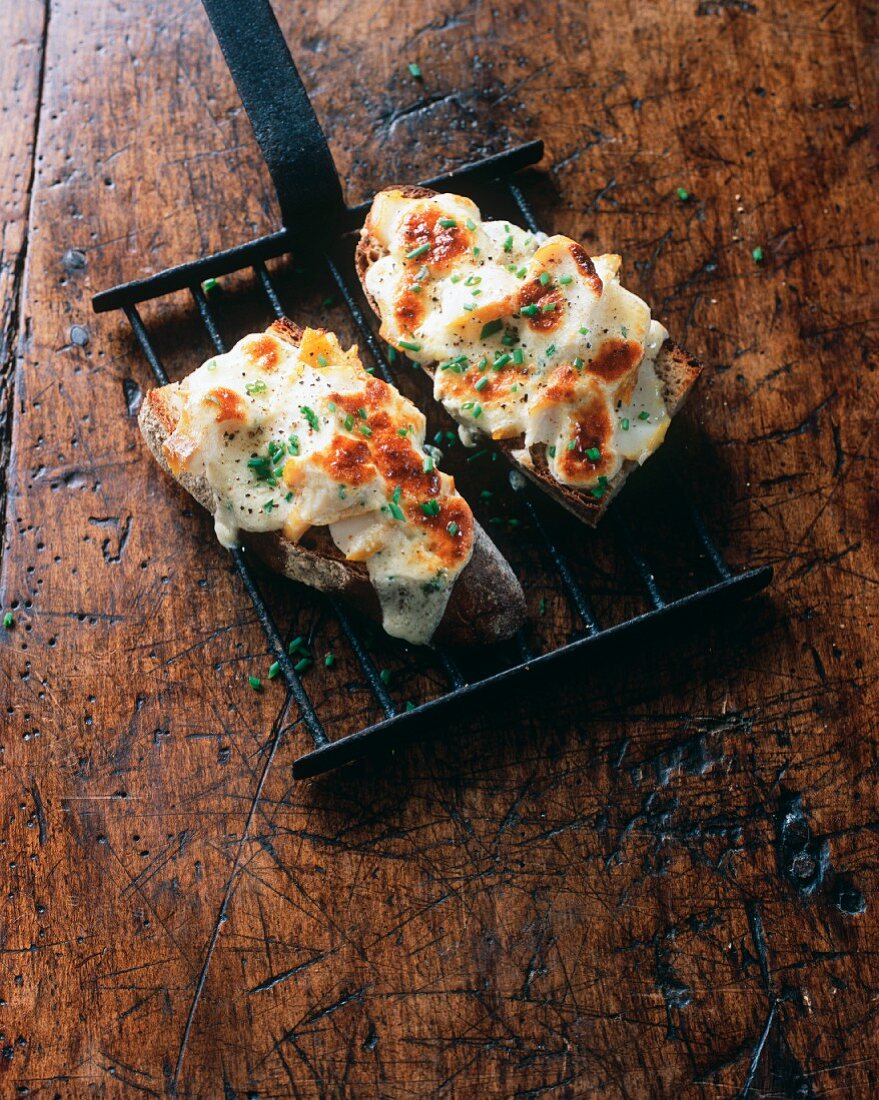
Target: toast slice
(676,371)
(486,604)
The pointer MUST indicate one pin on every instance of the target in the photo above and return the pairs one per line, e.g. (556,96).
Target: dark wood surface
(659,878)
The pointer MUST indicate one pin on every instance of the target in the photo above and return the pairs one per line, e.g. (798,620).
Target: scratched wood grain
(658,881)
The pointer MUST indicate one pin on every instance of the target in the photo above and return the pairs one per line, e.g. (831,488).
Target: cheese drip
(294,437)
(529,338)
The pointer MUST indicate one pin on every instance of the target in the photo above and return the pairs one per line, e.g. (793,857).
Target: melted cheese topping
(532,340)
(294,437)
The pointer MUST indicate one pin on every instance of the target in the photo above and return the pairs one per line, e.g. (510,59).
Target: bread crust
(486,604)
(676,370)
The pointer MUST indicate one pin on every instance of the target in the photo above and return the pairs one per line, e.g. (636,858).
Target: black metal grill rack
(309,194)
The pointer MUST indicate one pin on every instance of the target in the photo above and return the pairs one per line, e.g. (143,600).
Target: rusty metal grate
(290,136)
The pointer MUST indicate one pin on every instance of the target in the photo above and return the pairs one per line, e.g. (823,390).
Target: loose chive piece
(448,223)
(321,360)
(274,669)
(624,423)
(584,331)
(578,363)
(329,660)
(452,528)
(501,361)
(419,251)
(431,507)
(396,511)
(8,620)
(328,301)
(757,254)
(643,415)
(428,464)
(255,683)
(477,412)
(302,665)
(593,454)
(683,194)
(385,676)
(542,606)
(365,430)
(415,70)
(565,279)
(549,307)
(255,387)
(551,451)
(471,224)
(508,243)
(476,251)
(293,444)
(518,357)
(392,354)
(529,311)
(491,328)
(409,345)
(544,278)
(348,422)
(209,285)
(598,492)
(310,416)
(481,384)
(268,506)
(410,706)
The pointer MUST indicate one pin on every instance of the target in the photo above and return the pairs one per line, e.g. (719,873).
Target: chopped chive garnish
(328,301)
(428,464)
(572,443)
(410,706)
(416,289)
(476,251)
(330,660)
(757,254)
(624,330)
(473,280)
(501,361)
(548,307)
(343,492)
(471,224)
(508,243)
(624,423)
(529,311)
(395,496)
(396,511)
(514,388)
(476,454)
(211,364)
(297,644)
(409,345)
(486,494)
(491,328)
(521,273)
(255,387)
(209,285)
(302,665)
(365,430)
(457,278)
(550,351)
(597,492)
(348,422)
(469,306)
(268,506)
(310,416)
(643,415)
(551,451)
(385,676)
(518,357)
(578,363)
(683,194)
(255,683)
(288,497)
(332,406)
(584,331)
(274,669)
(431,507)
(544,278)
(392,354)
(593,454)
(293,444)
(414,70)
(565,279)
(477,412)
(542,606)
(402,431)
(448,223)
(481,384)
(8,620)
(419,251)
(452,528)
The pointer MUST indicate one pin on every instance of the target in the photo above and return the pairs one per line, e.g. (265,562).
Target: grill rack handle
(283,120)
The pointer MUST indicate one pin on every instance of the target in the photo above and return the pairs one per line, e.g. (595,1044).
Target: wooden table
(660,881)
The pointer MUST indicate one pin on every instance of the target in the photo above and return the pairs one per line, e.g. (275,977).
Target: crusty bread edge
(675,368)
(486,605)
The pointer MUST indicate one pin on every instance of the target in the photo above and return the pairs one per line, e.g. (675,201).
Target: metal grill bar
(395,724)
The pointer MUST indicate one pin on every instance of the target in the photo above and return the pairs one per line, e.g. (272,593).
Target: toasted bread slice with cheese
(675,370)
(486,603)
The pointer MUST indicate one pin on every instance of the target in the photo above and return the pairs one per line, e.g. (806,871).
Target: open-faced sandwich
(528,339)
(322,470)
